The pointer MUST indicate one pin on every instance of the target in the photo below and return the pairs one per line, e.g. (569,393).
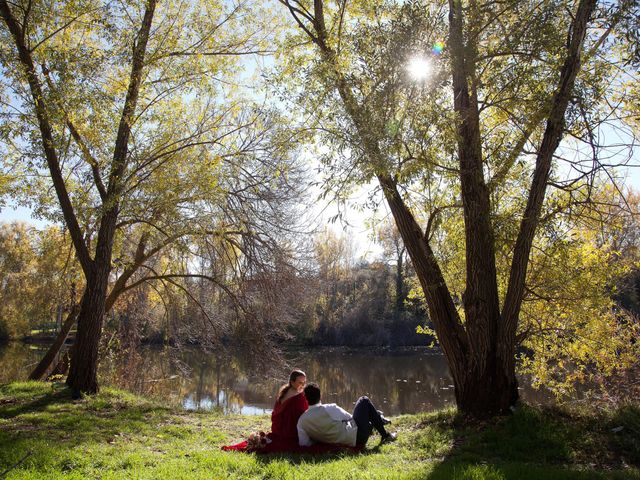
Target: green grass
(115,435)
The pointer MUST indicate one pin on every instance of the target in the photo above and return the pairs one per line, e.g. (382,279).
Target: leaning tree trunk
(479,391)
(49,361)
(550,141)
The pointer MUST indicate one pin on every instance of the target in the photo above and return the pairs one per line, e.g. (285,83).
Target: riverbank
(113,435)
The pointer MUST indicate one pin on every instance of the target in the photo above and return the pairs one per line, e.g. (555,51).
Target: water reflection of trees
(408,382)
(190,377)
(17,360)
(397,383)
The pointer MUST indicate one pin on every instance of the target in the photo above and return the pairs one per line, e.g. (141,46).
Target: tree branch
(46,132)
(294,13)
(550,141)
(128,111)
(58,30)
(86,153)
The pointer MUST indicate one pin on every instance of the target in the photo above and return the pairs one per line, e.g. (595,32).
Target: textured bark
(49,360)
(479,393)
(553,134)
(488,386)
(84,354)
(84,362)
(442,311)
(550,141)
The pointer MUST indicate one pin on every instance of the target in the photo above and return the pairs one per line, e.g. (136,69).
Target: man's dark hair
(312,392)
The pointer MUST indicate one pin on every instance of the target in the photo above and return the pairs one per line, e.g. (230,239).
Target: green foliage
(38,277)
(631,101)
(573,328)
(211,177)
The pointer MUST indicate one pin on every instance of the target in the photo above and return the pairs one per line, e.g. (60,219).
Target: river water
(404,381)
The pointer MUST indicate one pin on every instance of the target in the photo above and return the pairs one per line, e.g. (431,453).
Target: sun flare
(419,68)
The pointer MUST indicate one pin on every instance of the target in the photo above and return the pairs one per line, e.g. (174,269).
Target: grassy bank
(44,434)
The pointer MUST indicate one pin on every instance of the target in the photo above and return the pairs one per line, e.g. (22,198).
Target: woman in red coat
(290,405)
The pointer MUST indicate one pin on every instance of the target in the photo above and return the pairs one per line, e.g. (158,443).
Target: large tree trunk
(488,392)
(84,358)
(488,385)
(550,141)
(50,359)
(84,361)
(483,386)
(83,372)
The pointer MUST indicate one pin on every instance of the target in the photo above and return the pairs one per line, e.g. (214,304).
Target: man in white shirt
(331,424)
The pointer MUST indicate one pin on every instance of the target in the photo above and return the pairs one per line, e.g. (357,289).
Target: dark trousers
(367,418)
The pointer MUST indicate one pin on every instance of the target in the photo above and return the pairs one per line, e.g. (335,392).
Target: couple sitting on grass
(300,422)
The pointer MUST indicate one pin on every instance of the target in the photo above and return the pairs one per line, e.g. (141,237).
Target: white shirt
(328,424)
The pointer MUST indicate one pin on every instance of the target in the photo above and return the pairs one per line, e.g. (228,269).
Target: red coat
(284,418)
(284,422)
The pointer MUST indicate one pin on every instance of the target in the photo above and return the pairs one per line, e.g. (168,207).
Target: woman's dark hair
(292,378)
(312,392)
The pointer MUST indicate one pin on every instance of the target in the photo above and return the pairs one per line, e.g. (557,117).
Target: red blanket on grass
(293,448)
(284,431)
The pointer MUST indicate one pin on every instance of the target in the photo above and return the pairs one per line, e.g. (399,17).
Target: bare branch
(295,13)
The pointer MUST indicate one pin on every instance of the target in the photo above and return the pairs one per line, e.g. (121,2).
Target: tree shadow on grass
(549,443)
(48,424)
(12,408)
